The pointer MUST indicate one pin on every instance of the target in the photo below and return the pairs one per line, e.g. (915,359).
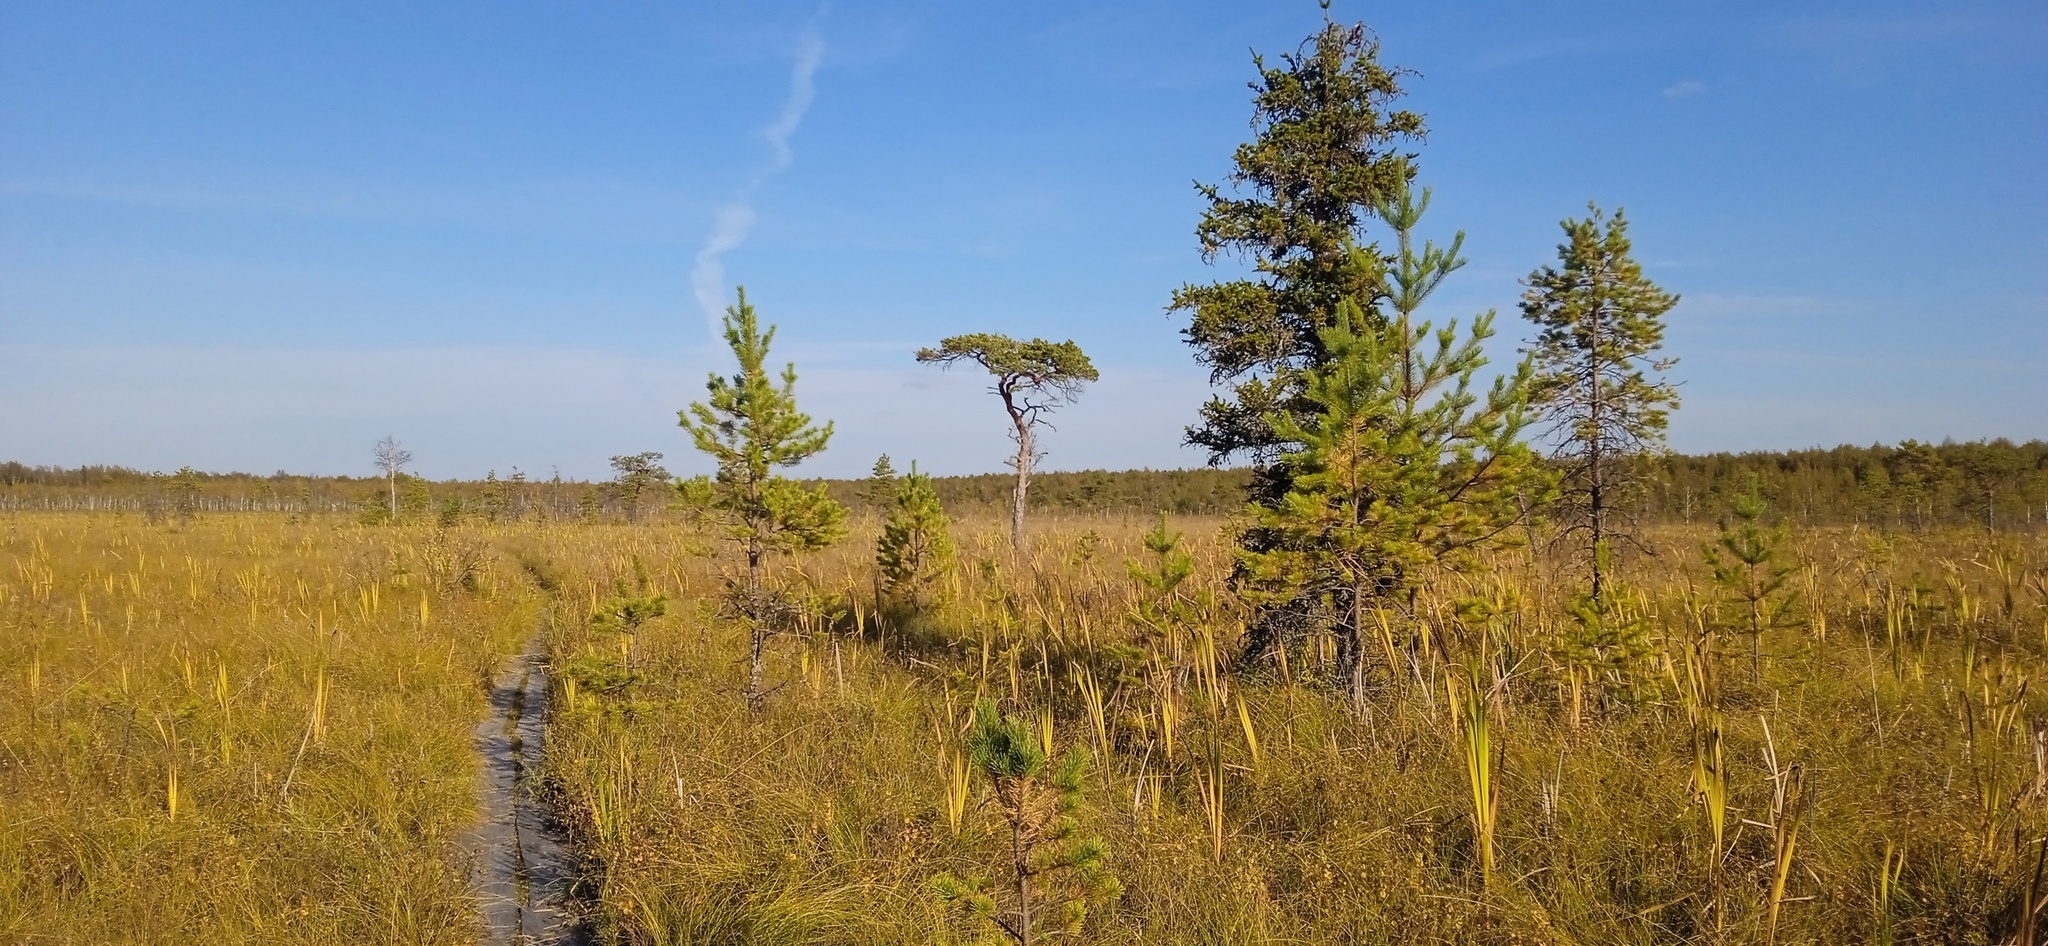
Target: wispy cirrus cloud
(1686,89)
(736,219)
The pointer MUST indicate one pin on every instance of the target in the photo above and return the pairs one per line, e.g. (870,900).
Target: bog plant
(1056,875)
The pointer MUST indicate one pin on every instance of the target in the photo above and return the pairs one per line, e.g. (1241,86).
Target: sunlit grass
(251,729)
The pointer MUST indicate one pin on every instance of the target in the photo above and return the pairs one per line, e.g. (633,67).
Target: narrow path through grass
(523,872)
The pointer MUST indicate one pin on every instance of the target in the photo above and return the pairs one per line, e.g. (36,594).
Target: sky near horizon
(261,236)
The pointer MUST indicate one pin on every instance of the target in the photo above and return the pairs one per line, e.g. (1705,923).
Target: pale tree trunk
(1019,493)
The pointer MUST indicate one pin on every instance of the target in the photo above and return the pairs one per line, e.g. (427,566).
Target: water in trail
(523,871)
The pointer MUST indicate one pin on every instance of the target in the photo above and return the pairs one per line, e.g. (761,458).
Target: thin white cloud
(802,88)
(736,219)
(1686,89)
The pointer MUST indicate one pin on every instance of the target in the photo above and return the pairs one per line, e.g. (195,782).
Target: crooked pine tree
(751,427)
(1324,155)
(1401,466)
(1033,379)
(1599,385)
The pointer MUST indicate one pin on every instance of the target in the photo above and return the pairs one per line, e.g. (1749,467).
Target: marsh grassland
(248,728)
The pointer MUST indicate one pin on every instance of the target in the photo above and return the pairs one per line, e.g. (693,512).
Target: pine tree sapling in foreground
(751,426)
(1599,385)
(1400,467)
(914,549)
(627,609)
(1057,875)
(1749,564)
(1605,644)
(1032,378)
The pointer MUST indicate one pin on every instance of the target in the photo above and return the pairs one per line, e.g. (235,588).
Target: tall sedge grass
(1274,804)
(238,730)
(1881,779)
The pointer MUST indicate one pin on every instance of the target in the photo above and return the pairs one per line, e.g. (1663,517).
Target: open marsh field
(256,728)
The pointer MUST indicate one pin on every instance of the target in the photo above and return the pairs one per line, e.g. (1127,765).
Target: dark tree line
(1996,483)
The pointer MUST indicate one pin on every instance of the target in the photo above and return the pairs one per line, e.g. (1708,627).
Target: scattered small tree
(1749,564)
(1054,869)
(1162,604)
(750,427)
(629,608)
(634,476)
(880,489)
(1598,384)
(392,459)
(418,496)
(914,550)
(184,490)
(1032,378)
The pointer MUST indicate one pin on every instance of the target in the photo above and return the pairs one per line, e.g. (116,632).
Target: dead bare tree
(392,459)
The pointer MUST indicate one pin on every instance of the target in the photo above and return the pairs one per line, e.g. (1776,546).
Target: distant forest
(1995,484)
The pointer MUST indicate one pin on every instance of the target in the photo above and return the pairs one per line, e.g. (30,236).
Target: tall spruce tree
(1324,154)
(1599,383)
(751,426)
(1400,466)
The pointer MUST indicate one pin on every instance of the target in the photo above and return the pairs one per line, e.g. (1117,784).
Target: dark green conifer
(1400,466)
(1324,156)
(1599,384)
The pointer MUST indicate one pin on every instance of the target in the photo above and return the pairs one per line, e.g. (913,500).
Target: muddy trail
(523,871)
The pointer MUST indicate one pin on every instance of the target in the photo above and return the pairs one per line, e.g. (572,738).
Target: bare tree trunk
(1596,460)
(755,626)
(1023,857)
(1019,493)
(391,478)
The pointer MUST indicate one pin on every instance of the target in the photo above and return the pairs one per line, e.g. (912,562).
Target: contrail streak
(736,219)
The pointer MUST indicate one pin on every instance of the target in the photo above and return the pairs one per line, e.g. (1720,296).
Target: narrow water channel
(523,871)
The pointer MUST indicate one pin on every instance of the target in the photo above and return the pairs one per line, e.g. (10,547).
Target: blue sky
(261,236)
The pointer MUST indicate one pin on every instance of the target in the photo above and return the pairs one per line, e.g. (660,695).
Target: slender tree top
(390,456)
(751,424)
(1597,302)
(1054,371)
(1600,327)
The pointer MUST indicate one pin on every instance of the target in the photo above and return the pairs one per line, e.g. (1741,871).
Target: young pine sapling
(1055,871)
